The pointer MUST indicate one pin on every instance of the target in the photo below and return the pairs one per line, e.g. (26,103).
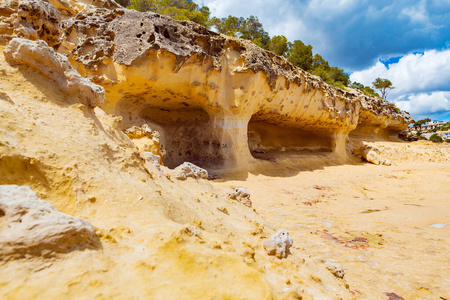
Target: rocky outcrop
(242,105)
(197,87)
(30,226)
(187,169)
(146,140)
(37,19)
(241,195)
(38,56)
(279,244)
(372,155)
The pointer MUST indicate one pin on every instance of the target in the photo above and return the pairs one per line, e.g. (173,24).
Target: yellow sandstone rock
(94,112)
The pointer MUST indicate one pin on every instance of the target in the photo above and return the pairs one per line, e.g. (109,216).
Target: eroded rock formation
(241,195)
(41,58)
(219,102)
(31,226)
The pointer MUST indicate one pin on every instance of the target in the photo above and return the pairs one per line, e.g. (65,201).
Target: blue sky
(406,41)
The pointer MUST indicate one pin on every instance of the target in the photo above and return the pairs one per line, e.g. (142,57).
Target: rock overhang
(200,88)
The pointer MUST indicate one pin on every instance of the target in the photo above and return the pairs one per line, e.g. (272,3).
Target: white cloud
(422,81)
(426,104)
(352,34)
(417,13)
(414,73)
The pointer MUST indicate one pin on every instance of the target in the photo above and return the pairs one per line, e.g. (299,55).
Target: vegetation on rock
(177,9)
(435,138)
(298,53)
(422,121)
(384,85)
(365,89)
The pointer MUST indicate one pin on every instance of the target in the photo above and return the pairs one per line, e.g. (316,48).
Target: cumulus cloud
(422,82)
(350,34)
(355,34)
(413,73)
(426,104)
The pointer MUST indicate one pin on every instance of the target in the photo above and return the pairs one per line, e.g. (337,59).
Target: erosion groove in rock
(228,95)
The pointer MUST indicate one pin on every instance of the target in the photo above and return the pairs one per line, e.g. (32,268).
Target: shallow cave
(372,130)
(267,141)
(186,135)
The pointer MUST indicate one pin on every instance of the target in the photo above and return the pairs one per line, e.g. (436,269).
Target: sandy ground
(374,220)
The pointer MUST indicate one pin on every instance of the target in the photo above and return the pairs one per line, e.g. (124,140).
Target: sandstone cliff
(197,87)
(93,96)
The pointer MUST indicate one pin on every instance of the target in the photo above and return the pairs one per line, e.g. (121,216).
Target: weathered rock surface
(147,140)
(37,19)
(188,169)
(279,244)
(41,58)
(30,226)
(240,194)
(153,159)
(372,155)
(218,102)
(197,87)
(335,268)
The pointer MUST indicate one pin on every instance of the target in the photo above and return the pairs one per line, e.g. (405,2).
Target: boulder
(43,59)
(153,160)
(31,226)
(240,194)
(279,244)
(371,154)
(386,162)
(188,169)
(335,268)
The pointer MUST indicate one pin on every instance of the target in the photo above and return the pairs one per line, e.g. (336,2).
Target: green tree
(229,25)
(338,75)
(279,45)
(421,122)
(384,85)
(142,5)
(301,55)
(356,85)
(365,89)
(177,9)
(319,62)
(251,29)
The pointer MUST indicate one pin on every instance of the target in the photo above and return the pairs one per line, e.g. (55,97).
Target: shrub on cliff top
(436,138)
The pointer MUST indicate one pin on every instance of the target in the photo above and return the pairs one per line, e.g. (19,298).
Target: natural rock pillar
(231,130)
